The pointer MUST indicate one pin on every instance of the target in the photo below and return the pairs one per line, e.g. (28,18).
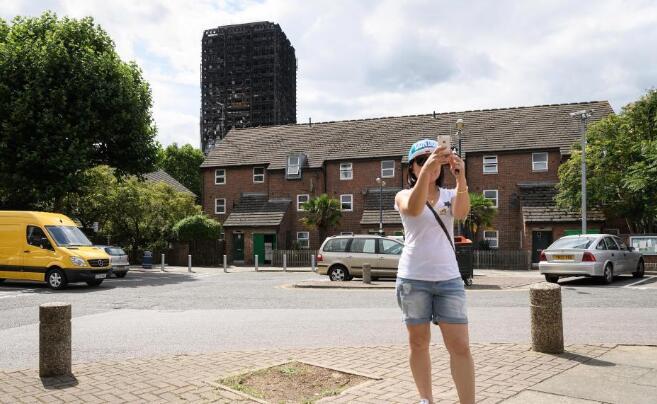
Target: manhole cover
(293,382)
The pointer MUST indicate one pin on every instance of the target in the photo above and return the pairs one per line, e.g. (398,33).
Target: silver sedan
(598,255)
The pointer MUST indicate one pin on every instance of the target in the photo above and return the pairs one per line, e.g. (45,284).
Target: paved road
(147,314)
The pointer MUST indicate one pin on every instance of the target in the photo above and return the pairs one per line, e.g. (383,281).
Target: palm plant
(481,215)
(321,213)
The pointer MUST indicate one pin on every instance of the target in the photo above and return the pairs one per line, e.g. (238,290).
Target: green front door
(238,246)
(259,248)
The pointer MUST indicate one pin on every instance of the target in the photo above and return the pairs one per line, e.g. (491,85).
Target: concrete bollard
(256,263)
(284,262)
(547,322)
(189,263)
(162,264)
(312,263)
(225,264)
(367,273)
(54,339)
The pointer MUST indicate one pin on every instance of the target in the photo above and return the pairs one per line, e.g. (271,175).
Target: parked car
(48,247)
(598,255)
(118,260)
(342,257)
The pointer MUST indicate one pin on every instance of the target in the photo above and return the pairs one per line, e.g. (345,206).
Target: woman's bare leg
(419,338)
(457,343)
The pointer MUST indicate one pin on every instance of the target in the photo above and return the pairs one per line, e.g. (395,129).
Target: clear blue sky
(361,58)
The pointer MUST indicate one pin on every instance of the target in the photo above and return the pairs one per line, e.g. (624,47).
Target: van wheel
(640,270)
(56,279)
(1,280)
(339,273)
(95,282)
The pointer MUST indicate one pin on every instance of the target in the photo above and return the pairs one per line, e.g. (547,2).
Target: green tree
(183,163)
(67,103)
(482,213)
(197,227)
(321,213)
(91,203)
(621,166)
(141,215)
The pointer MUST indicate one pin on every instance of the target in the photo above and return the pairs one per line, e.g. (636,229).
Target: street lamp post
(583,115)
(381,185)
(459,130)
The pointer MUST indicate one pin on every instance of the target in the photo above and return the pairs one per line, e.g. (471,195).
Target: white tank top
(428,254)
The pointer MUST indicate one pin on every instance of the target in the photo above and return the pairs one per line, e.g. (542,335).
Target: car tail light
(543,257)
(320,258)
(588,257)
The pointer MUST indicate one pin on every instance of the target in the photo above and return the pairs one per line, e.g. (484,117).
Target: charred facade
(248,78)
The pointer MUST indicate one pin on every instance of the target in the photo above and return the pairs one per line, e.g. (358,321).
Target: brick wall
(512,168)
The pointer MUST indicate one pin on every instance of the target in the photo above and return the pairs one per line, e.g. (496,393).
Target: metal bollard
(162,264)
(367,273)
(312,263)
(256,263)
(54,339)
(547,322)
(284,262)
(189,263)
(225,264)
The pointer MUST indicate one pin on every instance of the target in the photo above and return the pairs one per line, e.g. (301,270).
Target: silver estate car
(597,255)
(342,257)
(118,260)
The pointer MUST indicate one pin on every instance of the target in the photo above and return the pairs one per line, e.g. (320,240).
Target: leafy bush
(197,227)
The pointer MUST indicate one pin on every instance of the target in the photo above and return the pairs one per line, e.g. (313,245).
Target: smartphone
(444,141)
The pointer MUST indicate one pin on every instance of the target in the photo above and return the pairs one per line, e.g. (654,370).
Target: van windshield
(68,236)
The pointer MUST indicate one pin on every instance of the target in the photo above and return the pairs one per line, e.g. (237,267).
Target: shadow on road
(619,281)
(130,281)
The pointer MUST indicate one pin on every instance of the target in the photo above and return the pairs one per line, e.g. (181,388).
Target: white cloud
(371,58)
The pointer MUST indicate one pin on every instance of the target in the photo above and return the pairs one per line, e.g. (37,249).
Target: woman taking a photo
(429,286)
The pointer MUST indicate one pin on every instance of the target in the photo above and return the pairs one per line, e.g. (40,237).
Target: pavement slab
(625,374)
(503,371)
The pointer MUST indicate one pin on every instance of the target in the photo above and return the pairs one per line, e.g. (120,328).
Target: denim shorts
(437,302)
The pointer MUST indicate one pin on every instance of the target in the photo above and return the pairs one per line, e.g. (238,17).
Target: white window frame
(216,211)
(290,165)
(496,238)
(254,175)
(388,169)
(497,196)
(347,168)
(351,202)
(306,245)
(489,164)
(539,162)
(299,207)
(222,176)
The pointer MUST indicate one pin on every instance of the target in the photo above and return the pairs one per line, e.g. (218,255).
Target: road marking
(646,280)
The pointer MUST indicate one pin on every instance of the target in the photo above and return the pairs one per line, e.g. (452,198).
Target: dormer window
(294,166)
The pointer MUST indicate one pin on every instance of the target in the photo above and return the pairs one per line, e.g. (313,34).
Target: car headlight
(78,261)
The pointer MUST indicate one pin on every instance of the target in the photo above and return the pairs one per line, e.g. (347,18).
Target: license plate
(563,257)
(101,276)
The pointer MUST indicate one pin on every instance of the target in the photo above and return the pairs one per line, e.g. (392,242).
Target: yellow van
(48,247)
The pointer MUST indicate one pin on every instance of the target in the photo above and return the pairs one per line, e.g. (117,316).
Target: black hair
(412,179)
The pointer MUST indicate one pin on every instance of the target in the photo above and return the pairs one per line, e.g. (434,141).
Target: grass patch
(293,382)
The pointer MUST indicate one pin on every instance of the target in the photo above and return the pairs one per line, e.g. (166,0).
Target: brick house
(256,178)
